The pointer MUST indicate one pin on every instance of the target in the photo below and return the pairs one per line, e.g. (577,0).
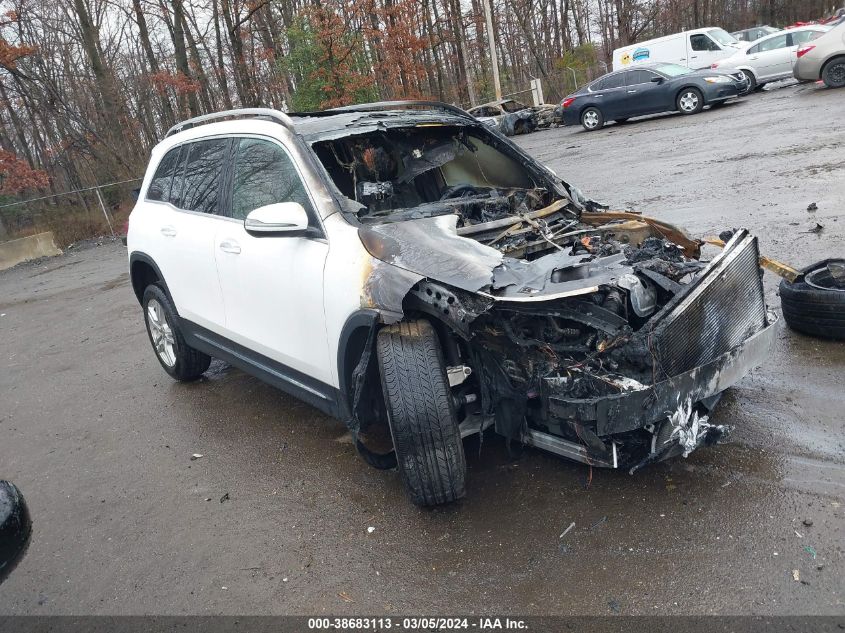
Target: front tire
(751,79)
(833,74)
(592,119)
(179,360)
(690,101)
(421,413)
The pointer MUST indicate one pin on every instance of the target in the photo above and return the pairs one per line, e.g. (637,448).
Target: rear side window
(159,189)
(264,174)
(611,81)
(770,44)
(636,77)
(201,181)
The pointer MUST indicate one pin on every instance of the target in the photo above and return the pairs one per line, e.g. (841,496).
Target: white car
(771,57)
(405,268)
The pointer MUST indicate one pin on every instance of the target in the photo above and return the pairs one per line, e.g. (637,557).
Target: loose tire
(421,413)
(812,309)
(752,81)
(689,101)
(15,528)
(180,361)
(833,74)
(592,119)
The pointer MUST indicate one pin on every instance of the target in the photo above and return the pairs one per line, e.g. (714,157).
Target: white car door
(703,51)
(272,285)
(770,58)
(184,194)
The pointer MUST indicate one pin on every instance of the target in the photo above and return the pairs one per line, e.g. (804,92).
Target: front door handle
(230,246)
(630,92)
(168,231)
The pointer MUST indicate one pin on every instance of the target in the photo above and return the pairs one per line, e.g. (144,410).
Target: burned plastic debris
(584,329)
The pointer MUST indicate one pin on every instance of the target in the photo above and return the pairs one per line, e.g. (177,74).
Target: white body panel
(673,49)
(772,64)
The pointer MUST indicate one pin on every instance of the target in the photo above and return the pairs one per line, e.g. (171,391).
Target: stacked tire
(815,303)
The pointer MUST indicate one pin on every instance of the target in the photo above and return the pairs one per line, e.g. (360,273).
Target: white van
(697,48)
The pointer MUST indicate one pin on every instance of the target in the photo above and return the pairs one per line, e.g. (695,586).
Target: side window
(753,50)
(636,77)
(201,183)
(599,85)
(264,174)
(159,189)
(613,81)
(772,43)
(700,42)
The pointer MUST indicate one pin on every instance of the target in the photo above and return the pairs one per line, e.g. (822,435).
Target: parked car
(772,57)
(697,48)
(754,33)
(824,59)
(509,115)
(649,89)
(411,271)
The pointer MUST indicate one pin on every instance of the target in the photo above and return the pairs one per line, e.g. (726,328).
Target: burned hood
(432,248)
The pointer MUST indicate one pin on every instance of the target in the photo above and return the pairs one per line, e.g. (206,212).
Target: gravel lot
(274,517)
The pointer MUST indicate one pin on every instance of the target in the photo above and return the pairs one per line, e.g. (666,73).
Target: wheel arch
(143,271)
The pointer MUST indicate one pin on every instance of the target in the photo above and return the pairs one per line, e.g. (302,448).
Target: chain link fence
(71,215)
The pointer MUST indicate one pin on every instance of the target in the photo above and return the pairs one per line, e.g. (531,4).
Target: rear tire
(833,73)
(812,310)
(421,413)
(689,101)
(592,119)
(176,357)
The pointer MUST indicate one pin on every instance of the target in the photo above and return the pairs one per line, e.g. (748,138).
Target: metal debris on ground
(225,497)
(811,551)
(807,522)
(370,530)
(796,575)
(816,229)
(345,596)
(566,531)
(598,523)
(812,206)
(196,456)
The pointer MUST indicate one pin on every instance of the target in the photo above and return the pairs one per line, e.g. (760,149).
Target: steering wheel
(459,191)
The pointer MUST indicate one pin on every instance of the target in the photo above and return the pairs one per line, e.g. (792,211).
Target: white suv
(410,270)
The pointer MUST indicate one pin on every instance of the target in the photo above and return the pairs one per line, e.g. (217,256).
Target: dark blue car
(649,89)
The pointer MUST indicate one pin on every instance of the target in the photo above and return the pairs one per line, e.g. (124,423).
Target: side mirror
(277,219)
(657,80)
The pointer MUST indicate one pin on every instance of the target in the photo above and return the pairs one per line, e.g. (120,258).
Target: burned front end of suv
(597,335)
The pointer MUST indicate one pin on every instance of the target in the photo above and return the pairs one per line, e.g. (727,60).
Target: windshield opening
(406,173)
(723,37)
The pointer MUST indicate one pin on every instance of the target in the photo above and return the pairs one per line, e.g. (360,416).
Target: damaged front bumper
(645,406)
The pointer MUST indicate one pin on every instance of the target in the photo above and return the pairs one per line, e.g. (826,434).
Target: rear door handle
(168,231)
(630,92)
(230,246)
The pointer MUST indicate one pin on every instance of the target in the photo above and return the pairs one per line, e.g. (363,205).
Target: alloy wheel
(591,119)
(688,101)
(161,333)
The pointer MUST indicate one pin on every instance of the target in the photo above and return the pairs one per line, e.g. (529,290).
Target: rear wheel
(180,361)
(690,101)
(833,74)
(592,119)
(421,413)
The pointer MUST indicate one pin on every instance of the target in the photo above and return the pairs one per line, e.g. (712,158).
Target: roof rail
(266,113)
(400,105)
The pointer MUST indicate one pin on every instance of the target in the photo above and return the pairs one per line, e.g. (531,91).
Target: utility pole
(491,41)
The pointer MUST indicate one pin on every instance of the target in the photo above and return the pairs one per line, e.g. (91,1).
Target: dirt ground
(275,517)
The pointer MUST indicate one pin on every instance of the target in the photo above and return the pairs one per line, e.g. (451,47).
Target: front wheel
(180,361)
(421,413)
(751,79)
(690,101)
(592,119)
(833,74)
